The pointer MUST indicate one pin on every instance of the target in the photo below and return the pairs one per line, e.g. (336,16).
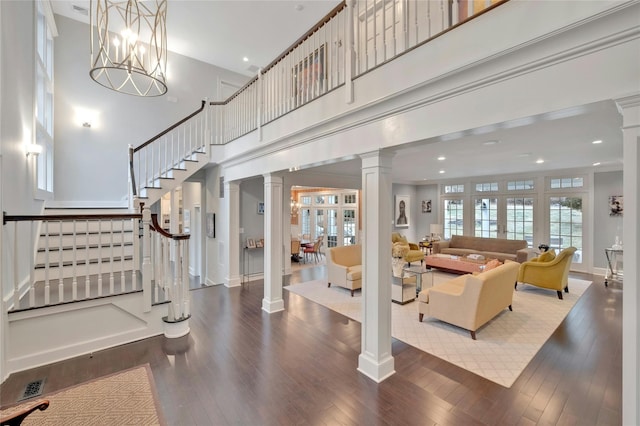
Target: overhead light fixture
(597,163)
(442,158)
(245,59)
(129,46)
(596,142)
(539,161)
(441,171)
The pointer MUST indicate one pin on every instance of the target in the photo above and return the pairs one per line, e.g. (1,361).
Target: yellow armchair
(552,274)
(414,254)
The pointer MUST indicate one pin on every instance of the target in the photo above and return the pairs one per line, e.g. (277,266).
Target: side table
(420,273)
(613,272)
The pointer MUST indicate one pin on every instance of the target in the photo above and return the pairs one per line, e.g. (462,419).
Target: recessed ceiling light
(596,142)
(539,161)
(245,59)
(492,142)
(442,158)
(441,171)
(597,163)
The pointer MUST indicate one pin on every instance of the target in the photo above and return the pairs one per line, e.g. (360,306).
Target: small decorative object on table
(398,251)
(543,247)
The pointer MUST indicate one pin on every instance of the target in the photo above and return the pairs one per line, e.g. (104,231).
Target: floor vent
(33,389)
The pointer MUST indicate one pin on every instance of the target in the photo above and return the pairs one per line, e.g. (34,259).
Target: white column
(286,229)
(232,237)
(630,108)
(376,360)
(273,187)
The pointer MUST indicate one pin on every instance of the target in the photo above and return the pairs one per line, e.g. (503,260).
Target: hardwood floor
(242,366)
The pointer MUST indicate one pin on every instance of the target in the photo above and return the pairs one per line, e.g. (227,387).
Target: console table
(613,273)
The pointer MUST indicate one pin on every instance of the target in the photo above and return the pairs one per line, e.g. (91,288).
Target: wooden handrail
(155,226)
(23,218)
(18,417)
(164,132)
(295,44)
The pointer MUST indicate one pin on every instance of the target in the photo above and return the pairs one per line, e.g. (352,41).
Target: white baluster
(99,252)
(87,288)
(32,289)
(111,248)
(122,239)
(47,285)
(16,287)
(60,266)
(74,282)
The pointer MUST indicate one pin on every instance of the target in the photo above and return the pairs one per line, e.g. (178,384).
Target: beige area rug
(124,398)
(505,345)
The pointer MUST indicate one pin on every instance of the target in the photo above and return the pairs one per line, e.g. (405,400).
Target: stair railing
(170,271)
(353,39)
(168,150)
(76,257)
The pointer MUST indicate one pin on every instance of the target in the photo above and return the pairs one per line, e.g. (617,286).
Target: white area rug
(505,344)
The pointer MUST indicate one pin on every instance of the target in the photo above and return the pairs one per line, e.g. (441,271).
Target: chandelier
(129,46)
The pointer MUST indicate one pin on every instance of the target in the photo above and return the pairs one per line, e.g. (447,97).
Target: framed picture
(401,211)
(251,243)
(426,206)
(211,225)
(616,205)
(261,208)
(309,75)
(260,242)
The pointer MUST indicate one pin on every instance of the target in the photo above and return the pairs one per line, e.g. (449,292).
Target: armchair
(414,254)
(552,274)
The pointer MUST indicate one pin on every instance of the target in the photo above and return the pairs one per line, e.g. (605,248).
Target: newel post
(146,258)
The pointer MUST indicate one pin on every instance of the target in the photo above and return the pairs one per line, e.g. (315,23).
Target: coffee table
(455,264)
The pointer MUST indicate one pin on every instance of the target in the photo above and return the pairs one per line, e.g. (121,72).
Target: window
(565,224)
(487,187)
(453,189)
(350,198)
(562,183)
(520,185)
(45,31)
(453,218)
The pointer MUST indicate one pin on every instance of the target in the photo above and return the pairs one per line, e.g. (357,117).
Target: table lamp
(436,230)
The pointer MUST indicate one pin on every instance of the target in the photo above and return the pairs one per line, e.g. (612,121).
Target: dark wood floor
(242,366)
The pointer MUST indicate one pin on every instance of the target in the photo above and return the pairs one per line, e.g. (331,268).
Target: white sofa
(470,301)
(344,267)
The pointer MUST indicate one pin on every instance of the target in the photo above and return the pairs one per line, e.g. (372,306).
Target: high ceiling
(222,33)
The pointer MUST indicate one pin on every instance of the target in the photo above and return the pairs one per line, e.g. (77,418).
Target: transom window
(520,185)
(454,189)
(487,187)
(561,183)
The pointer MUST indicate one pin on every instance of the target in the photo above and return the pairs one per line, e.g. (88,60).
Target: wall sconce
(295,207)
(34,149)
(85,117)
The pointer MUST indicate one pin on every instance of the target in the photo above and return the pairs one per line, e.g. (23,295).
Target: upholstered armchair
(470,301)
(548,271)
(414,254)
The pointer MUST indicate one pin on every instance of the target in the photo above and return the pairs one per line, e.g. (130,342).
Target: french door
(509,217)
(565,227)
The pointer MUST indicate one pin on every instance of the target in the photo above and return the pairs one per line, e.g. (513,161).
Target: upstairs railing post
(349,52)
(136,235)
(206,133)
(132,179)
(146,259)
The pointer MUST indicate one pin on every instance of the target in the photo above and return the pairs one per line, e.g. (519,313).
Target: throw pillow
(547,256)
(492,264)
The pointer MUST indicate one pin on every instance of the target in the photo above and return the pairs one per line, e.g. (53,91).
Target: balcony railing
(353,39)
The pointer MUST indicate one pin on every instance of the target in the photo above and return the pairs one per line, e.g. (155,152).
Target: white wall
(215,262)
(606,227)
(251,193)
(17,83)
(120,119)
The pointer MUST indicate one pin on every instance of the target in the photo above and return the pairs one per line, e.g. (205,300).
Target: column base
(272,307)
(376,371)
(177,328)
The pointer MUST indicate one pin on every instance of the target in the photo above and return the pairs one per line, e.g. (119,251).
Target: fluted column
(273,250)
(375,360)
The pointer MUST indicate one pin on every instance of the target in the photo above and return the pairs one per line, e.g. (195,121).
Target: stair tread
(80,234)
(84,247)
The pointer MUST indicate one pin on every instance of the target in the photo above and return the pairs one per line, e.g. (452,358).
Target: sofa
(548,271)
(344,267)
(470,301)
(490,248)
(413,254)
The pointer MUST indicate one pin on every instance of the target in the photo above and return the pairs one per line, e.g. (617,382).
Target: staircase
(165,161)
